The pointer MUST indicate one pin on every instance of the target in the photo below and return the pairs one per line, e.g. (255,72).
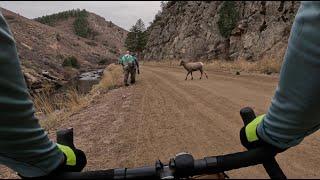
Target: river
(86,80)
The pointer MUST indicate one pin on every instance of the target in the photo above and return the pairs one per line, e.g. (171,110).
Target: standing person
(127,62)
(136,63)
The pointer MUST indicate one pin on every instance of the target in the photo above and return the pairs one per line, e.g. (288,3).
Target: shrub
(51,19)
(71,61)
(80,24)
(228,17)
(103,61)
(58,37)
(170,3)
(113,51)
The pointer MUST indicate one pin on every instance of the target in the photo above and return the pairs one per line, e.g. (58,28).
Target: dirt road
(163,114)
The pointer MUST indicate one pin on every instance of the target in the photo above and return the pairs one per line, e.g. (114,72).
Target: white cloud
(122,13)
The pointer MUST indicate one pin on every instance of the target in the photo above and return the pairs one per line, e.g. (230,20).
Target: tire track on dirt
(222,99)
(211,137)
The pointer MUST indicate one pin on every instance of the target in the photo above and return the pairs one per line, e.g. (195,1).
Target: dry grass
(165,63)
(112,78)
(55,108)
(43,103)
(52,109)
(267,66)
(263,66)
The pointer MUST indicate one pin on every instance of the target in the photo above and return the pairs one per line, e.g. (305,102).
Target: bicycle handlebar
(183,165)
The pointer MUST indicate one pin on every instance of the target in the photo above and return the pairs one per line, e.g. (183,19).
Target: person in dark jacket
(136,63)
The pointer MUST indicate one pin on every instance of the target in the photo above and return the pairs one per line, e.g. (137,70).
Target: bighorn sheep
(193,66)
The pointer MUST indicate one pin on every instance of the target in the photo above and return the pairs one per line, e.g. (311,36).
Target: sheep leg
(191,76)
(205,74)
(187,75)
(201,73)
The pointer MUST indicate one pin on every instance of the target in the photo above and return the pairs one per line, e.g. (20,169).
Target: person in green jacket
(128,63)
(293,113)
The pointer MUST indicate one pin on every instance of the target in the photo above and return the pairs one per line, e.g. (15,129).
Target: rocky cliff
(190,30)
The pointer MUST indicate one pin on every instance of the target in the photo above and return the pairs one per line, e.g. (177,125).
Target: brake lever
(271,166)
(65,137)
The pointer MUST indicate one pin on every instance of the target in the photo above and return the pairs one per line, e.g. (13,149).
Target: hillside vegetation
(80,24)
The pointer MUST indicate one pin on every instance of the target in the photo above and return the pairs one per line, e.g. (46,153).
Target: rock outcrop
(189,30)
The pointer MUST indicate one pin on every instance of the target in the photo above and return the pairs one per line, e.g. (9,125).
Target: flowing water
(86,80)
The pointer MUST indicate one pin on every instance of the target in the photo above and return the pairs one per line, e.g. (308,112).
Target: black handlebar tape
(218,164)
(102,174)
(244,159)
(65,137)
(145,172)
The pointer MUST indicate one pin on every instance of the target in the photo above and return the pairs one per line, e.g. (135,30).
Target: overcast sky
(122,13)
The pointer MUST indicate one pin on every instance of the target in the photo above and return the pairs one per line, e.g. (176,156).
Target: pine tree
(228,17)
(137,37)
